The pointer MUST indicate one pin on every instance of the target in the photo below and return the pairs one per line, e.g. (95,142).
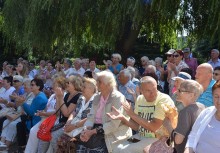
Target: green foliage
(62,28)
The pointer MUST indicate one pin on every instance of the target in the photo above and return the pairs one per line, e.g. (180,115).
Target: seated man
(147,117)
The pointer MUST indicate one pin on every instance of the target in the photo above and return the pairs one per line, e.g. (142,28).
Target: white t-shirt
(5,95)
(51,104)
(210,138)
(68,72)
(80,71)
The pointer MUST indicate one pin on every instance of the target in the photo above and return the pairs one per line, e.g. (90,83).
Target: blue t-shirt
(206,97)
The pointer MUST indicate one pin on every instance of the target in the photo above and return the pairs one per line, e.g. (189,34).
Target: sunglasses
(15,81)
(216,74)
(176,56)
(169,55)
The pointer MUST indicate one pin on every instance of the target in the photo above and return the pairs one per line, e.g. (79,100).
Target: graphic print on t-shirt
(146,112)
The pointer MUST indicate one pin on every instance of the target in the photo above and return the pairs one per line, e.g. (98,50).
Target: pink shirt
(98,117)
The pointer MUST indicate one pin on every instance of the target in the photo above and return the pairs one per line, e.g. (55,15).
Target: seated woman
(39,103)
(187,93)
(9,127)
(67,106)
(50,109)
(109,132)
(84,105)
(205,134)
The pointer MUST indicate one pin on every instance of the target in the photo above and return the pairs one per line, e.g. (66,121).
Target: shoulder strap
(58,109)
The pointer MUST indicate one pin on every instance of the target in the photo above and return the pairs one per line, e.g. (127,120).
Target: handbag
(96,140)
(44,132)
(159,146)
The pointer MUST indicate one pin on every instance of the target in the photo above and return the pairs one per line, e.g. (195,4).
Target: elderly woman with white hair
(116,67)
(102,134)
(144,63)
(187,93)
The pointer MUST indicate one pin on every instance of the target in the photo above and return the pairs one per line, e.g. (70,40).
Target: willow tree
(43,25)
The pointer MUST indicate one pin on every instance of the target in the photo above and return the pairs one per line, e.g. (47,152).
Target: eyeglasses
(181,91)
(176,56)
(15,81)
(169,55)
(216,74)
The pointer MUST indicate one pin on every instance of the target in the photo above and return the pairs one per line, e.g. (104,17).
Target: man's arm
(149,125)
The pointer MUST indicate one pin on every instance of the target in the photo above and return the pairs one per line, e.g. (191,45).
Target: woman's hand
(19,100)
(69,127)
(40,113)
(115,114)
(86,135)
(59,93)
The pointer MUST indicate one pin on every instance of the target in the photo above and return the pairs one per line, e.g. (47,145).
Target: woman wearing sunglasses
(187,94)
(175,68)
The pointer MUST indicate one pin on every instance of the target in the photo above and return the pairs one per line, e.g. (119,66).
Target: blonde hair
(77,82)
(117,55)
(92,82)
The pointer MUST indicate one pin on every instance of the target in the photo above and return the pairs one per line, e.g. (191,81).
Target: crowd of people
(122,109)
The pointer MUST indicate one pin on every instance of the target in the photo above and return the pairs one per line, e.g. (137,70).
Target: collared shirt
(124,90)
(206,97)
(192,63)
(214,64)
(80,71)
(98,117)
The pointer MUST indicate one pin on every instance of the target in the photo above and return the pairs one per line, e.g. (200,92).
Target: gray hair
(215,50)
(117,55)
(151,62)
(145,58)
(27,81)
(78,60)
(131,59)
(108,78)
(127,73)
(159,60)
(131,70)
(152,68)
(192,86)
(68,61)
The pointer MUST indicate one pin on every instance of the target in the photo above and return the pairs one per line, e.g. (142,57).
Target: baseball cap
(186,50)
(182,75)
(18,77)
(170,52)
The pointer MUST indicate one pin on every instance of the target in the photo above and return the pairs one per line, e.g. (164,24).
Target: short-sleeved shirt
(210,138)
(186,119)
(206,97)
(150,110)
(214,64)
(67,103)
